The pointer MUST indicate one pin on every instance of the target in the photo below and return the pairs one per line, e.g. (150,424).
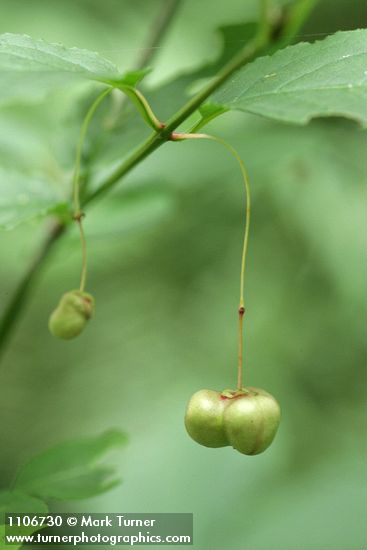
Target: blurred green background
(164,268)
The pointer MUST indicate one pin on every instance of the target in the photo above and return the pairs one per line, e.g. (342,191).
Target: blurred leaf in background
(18,502)
(69,471)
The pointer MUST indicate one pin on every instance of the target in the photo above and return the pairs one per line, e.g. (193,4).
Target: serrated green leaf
(25,197)
(31,68)
(327,78)
(70,470)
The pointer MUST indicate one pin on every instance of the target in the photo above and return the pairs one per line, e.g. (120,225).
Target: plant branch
(247,54)
(157,32)
(251,50)
(292,21)
(22,291)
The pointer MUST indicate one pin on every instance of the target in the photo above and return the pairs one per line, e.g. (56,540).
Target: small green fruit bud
(71,315)
(247,420)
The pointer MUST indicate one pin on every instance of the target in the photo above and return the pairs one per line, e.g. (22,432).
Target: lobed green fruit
(247,420)
(71,315)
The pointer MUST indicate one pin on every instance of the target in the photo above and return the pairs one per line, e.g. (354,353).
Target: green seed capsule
(71,315)
(246,420)
(251,421)
(204,419)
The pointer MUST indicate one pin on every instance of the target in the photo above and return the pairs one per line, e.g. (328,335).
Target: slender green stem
(83,277)
(143,107)
(241,306)
(79,148)
(78,215)
(241,311)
